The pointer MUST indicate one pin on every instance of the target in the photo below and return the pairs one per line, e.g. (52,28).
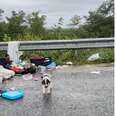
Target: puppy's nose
(46,86)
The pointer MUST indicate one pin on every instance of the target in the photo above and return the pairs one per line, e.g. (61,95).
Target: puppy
(46,84)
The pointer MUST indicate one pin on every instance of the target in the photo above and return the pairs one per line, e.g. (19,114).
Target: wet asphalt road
(77,91)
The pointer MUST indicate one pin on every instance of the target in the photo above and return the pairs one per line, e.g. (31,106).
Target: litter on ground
(25,70)
(27,77)
(95,72)
(13,94)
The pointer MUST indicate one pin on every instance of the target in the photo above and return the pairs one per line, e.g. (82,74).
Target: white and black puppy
(46,84)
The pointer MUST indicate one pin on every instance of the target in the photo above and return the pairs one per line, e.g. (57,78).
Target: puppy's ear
(43,82)
(48,81)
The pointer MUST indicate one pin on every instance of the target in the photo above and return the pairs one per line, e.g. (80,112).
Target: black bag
(41,61)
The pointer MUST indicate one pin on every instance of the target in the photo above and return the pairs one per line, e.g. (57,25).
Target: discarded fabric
(17,69)
(27,77)
(6,73)
(43,61)
(51,66)
(1,79)
(35,78)
(41,69)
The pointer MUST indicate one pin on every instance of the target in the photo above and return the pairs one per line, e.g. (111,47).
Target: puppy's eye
(41,76)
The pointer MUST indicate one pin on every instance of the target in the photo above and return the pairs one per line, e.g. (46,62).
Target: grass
(78,56)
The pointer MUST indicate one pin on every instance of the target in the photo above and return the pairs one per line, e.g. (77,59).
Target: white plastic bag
(94,57)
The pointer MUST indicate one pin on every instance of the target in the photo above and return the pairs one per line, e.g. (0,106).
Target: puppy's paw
(51,89)
(49,92)
(44,92)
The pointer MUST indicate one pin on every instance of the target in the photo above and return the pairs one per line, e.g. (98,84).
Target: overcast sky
(53,9)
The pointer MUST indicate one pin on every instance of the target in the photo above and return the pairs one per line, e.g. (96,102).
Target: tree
(75,20)
(36,23)
(107,8)
(16,24)
(100,23)
(3,26)
(58,29)
(3,29)
(1,12)
(60,21)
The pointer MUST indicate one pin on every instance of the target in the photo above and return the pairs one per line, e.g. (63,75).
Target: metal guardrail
(63,44)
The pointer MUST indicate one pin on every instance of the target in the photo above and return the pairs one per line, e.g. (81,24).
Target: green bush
(78,56)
